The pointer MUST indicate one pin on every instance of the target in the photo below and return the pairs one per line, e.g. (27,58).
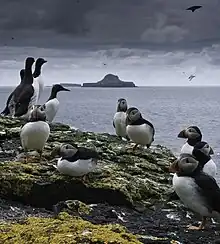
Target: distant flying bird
(191,77)
(193,8)
(104,64)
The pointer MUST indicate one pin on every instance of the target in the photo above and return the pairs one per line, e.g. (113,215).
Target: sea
(170,109)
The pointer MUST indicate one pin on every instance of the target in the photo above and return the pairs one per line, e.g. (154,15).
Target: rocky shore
(123,201)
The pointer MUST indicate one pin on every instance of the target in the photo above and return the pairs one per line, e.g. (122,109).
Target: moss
(64,229)
(122,176)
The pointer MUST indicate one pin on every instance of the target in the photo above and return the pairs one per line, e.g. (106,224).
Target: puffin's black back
(209,189)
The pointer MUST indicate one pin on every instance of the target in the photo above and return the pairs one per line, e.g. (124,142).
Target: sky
(150,42)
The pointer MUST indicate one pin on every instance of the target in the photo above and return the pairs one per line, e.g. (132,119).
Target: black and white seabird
(52,104)
(38,82)
(193,135)
(202,152)
(10,106)
(23,94)
(119,120)
(197,190)
(35,133)
(138,129)
(75,161)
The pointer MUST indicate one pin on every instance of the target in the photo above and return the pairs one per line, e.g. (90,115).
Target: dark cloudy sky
(155,23)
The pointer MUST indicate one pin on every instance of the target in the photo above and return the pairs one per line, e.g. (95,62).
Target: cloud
(156,22)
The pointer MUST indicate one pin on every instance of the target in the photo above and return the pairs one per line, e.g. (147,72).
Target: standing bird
(38,81)
(35,133)
(75,161)
(202,152)
(52,104)
(138,129)
(119,120)
(10,106)
(193,8)
(193,134)
(24,92)
(197,190)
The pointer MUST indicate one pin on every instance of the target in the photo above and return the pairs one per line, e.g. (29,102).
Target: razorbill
(35,133)
(202,152)
(119,120)
(52,104)
(197,190)
(10,106)
(193,135)
(24,92)
(138,129)
(75,161)
(38,80)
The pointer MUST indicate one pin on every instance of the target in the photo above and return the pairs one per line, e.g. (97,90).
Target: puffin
(75,161)
(23,94)
(10,106)
(193,135)
(138,129)
(52,104)
(35,133)
(38,82)
(202,152)
(119,120)
(196,189)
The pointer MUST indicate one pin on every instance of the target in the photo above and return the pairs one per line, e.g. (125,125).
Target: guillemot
(10,106)
(52,104)
(38,82)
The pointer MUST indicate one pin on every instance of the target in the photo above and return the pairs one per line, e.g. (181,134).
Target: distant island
(70,84)
(110,80)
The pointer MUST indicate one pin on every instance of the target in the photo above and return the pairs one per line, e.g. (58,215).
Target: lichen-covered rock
(64,229)
(123,177)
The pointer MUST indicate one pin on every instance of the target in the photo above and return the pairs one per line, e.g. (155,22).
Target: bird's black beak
(182,134)
(211,151)
(45,61)
(65,89)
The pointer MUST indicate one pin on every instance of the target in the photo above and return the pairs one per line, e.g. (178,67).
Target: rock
(128,189)
(64,229)
(123,177)
(110,80)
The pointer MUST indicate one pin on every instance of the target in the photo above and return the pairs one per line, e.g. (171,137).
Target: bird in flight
(191,77)
(193,8)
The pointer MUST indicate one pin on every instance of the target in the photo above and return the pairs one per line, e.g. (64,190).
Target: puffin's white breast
(77,168)
(120,125)
(140,134)
(34,135)
(186,148)
(52,107)
(186,189)
(210,168)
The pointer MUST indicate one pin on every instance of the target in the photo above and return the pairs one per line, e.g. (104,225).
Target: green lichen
(64,229)
(136,176)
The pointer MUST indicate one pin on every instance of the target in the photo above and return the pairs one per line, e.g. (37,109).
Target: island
(70,84)
(110,80)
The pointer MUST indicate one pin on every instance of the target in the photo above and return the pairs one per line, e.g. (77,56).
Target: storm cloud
(151,22)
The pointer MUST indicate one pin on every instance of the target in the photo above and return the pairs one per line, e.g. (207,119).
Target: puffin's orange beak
(174,167)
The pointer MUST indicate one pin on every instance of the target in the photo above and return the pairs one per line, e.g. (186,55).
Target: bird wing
(210,190)
(150,124)
(193,8)
(82,153)
(113,124)
(6,110)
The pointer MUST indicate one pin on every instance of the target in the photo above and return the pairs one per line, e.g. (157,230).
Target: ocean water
(170,109)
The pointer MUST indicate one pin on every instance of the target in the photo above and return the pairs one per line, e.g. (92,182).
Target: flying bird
(191,77)
(193,8)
